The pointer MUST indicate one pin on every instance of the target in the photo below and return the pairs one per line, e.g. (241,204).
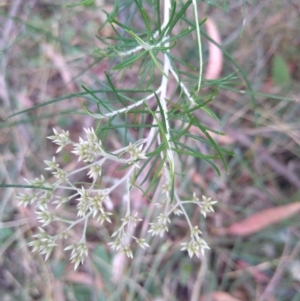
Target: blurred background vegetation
(48,52)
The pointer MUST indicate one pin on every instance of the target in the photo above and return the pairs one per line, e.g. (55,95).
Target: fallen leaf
(260,220)
(219,296)
(215,57)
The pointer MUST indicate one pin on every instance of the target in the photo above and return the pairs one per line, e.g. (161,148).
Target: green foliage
(280,72)
(5,234)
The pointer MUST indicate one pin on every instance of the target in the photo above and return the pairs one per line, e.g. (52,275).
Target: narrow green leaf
(174,19)
(146,72)
(104,133)
(178,16)
(157,6)
(95,115)
(164,48)
(150,172)
(213,165)
(192,150)
(202,140)
(182,62)
(68,96)
(114,89)
(83,3)
(126,126)
(193,154)
(180,34)
(40,105)
(130,60)
(40,117)
(202,128)
(157,64)
(145,45)
(162,114)
(156,175)
(195,108)
(123,167)
(25,186)
(210,113)
(121,25)
(164,30)
(145,18)
(98,99)
(158,150)
(181,133)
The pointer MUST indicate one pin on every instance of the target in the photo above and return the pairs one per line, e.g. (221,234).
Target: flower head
(166,188)
(206,205)
(132,219)
(158,229)
(88,150)
(62,139)
(127,251)
(78,254)
(116,245)
(26,199)
(83,202)
(95,172)
(104,216)
(52,165)
(141,242)
(43,243)
(135,153)
(44,216)
(195,199)
(195,247)
(163,219)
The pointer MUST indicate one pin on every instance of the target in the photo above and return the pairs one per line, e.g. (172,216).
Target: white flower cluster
(160,227)
(79,252)
(92,199)
(196,245)
(43,243)
(124,235)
